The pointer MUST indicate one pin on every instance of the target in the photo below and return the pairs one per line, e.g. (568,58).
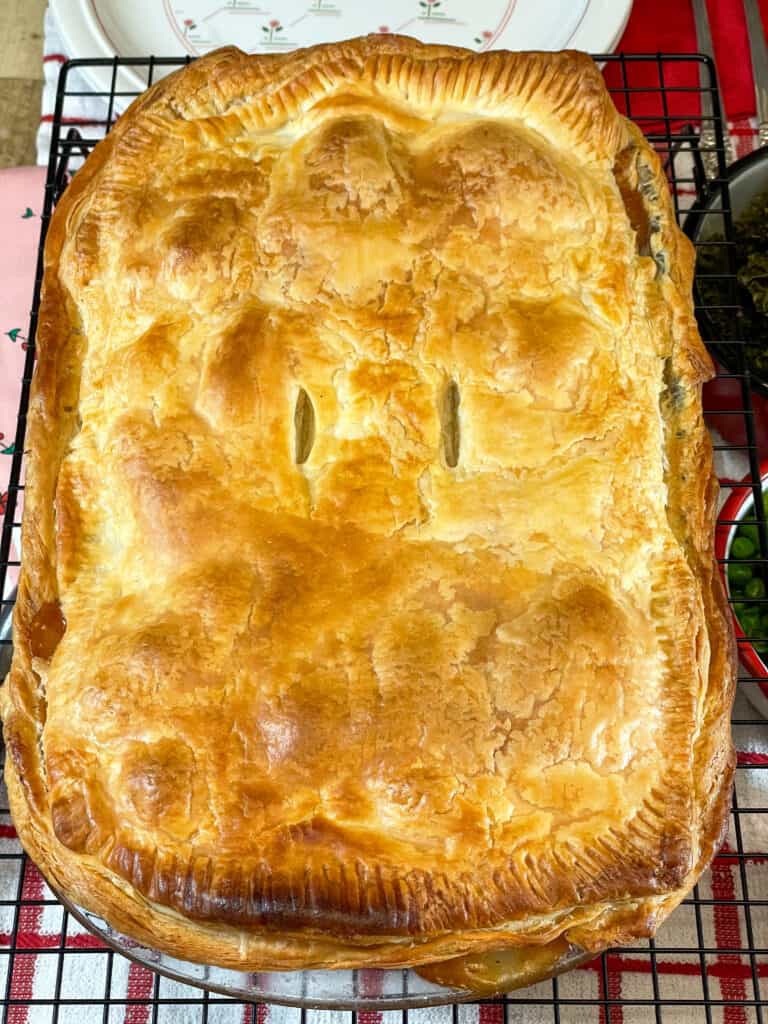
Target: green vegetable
(739,610)
(755,588)
(754,277)
(742,547)
(750,622)
(764,623)
(749,323)
(739,574)
(750,530)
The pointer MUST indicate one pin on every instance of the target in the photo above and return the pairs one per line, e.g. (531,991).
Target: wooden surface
(21,79)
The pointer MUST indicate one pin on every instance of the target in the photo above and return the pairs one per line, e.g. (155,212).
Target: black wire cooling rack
(709,961)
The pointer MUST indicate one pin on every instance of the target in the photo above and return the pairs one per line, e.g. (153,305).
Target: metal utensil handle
(707,136)
(758,51)
(708,150)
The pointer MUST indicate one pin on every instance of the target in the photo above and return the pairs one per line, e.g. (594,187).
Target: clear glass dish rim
(414,1001)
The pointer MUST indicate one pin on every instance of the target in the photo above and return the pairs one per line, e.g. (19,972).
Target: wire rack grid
(709,961)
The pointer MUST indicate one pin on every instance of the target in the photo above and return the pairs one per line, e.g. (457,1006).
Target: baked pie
(368,611)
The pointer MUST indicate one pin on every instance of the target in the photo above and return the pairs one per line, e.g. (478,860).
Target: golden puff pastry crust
(367,468)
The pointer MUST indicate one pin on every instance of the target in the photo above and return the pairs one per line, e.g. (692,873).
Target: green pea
(738,574)
(739,608)
(742,547)
(750,622)
(750,531)
(755,588)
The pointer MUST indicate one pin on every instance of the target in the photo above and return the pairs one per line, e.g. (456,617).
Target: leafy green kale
(754,277)
(750,323)
(752,225)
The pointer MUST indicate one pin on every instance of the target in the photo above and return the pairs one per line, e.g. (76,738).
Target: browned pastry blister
(368,475)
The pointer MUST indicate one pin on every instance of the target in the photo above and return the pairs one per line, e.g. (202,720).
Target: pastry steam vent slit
(450,426)
(304,427)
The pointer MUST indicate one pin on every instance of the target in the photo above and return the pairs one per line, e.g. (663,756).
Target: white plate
(169,28)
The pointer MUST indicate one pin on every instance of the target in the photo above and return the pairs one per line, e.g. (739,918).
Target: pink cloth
(21,197)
